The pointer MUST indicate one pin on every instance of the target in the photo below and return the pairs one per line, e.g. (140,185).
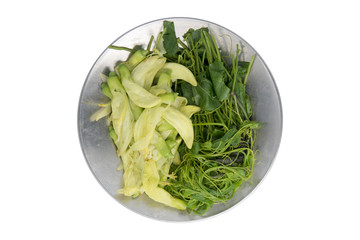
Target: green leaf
(236,139)
(187,92)
(217,133)
(242,69)
(192,203)
(204,95)
(248,106)
(206,145)
(221,142)
(241,172)
(196,95)
(169,37)
(194,35)
(195,148)
(217,75)
(252,124)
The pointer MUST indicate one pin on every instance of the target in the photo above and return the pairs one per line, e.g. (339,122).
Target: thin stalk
(121,48)
(249,68)
(150,42)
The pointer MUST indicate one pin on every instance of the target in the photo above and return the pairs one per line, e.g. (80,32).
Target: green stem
(209,124)
(237,109)
(207,47)
(221,120)
(121,48)
(249,68)
(149,44)
(216,48)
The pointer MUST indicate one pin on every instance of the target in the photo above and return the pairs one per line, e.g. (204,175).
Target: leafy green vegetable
(242,99)
(194,36)
(187,92)
(169,37)
(217,74)
(220,143)
(223,152)
(204,95)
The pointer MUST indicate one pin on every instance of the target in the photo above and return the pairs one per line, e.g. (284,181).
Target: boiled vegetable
(144,73)
(139,95)
(181,123)
(151,181)
(140,104)
(178,71)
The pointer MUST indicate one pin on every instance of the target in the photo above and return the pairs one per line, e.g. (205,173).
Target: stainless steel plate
(100,153)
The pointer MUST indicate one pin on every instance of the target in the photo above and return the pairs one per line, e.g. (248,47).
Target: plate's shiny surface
(100,152)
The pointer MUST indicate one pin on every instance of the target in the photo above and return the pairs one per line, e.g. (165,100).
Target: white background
(47,190)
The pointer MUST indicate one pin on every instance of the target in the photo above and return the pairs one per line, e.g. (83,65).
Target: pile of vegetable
(181,120)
